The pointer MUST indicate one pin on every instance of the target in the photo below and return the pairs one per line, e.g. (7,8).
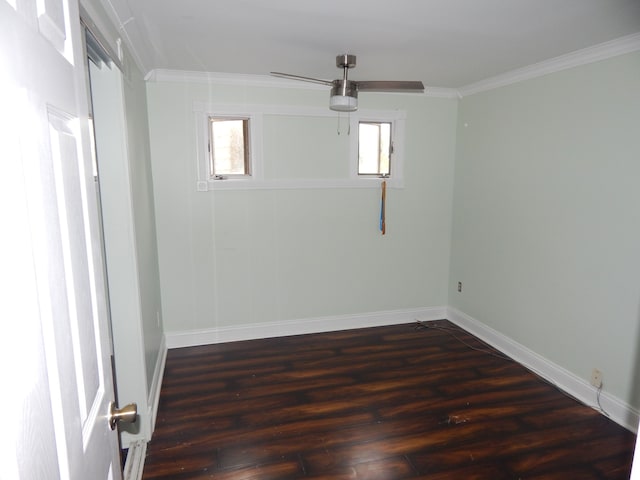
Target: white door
(54,345)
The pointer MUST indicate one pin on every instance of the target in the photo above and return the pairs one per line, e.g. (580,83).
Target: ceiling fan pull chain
(348,124)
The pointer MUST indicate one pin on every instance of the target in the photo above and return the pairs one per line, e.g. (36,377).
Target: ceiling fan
(344,92)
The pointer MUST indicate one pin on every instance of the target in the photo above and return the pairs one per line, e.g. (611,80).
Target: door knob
(125,414)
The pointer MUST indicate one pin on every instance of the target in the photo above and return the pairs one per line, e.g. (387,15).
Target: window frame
(255,113)
(397,119)
(390,154)
(246,140)
(205,180)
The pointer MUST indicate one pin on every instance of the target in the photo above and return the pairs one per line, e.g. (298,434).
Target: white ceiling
(444,43)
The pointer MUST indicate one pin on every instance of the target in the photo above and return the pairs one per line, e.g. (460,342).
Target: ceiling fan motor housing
(344,96)
(346,60)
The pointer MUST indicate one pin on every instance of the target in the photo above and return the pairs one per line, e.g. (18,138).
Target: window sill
(297,184)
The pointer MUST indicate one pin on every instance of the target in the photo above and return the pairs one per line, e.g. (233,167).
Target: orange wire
(383,212)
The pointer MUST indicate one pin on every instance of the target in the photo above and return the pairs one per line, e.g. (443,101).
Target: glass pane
(228,147)
(374,141)
(385,148)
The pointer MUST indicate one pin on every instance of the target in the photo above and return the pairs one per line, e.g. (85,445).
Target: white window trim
(202,114)
(247,153)
(397,118)
(256,180)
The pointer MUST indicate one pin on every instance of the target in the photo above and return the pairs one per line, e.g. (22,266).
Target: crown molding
(132,32)
(602,51)
(441,92)
(250,80)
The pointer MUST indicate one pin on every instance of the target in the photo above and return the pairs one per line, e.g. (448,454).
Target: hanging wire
(348,123)
(383,208)
(454,331)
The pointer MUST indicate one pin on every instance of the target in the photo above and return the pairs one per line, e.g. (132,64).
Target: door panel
(52,24)
(70,200)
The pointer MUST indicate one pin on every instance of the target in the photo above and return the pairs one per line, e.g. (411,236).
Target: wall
(546,217)
(240,258)
(144,218)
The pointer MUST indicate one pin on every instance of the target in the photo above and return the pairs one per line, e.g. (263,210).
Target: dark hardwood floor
(379,403)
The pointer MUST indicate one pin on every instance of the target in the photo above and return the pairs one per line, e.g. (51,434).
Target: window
(246,147)
(377,148)
(374,148)
(229,147)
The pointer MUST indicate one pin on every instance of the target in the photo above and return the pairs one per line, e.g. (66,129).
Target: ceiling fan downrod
(344,93)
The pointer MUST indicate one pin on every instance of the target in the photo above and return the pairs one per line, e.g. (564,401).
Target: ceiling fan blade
(390,86)
(301,78)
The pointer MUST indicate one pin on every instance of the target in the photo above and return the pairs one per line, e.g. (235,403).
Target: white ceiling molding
(620,46)
(237,79)
(441,92)
(131,32)
(613,48)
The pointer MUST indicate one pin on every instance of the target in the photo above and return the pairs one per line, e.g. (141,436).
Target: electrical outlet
(596,378)
(459,286)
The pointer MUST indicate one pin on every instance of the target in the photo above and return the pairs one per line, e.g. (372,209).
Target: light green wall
(233,258)
(122,144)
(546,218)
(143,209)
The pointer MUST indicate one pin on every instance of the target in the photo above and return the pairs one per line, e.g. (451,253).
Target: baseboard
(156,384)
(299,327)
(137,444)
(619,411)
(134,465)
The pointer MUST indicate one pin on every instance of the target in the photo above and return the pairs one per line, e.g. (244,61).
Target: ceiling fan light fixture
(344,96)
(343,103)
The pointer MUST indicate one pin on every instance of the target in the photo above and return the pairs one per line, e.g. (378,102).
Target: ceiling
(444,43)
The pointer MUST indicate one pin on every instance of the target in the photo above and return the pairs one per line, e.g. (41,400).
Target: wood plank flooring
(382,403)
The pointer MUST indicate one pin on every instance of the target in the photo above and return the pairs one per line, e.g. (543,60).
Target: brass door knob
(126,414)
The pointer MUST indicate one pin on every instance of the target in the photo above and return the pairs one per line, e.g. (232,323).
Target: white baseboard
(619,411)
(156,385)
(298,327)
(134,465)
